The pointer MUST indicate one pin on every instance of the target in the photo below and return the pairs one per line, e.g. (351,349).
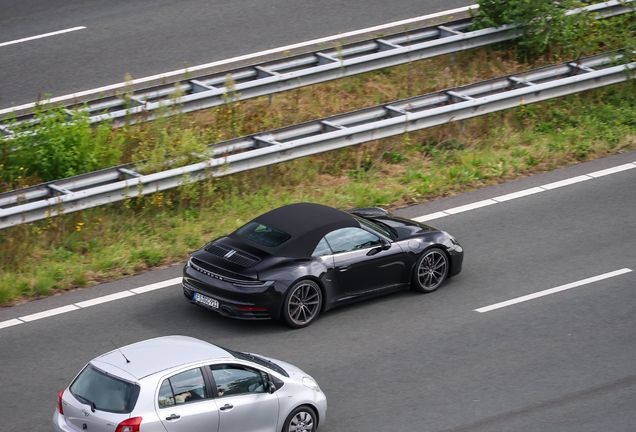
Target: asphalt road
(562,362)
(145,38)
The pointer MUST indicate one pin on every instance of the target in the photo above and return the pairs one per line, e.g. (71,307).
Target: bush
(58,148)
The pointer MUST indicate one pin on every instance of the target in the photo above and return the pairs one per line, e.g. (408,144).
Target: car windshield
(104,392)
(262,234)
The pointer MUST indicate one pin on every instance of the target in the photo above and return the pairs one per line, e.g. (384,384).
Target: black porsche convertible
(302,259)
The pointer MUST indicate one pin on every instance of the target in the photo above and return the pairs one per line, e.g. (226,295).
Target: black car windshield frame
(374,227)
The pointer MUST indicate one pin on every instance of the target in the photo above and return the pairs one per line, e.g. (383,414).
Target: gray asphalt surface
(145,38)
(404,362)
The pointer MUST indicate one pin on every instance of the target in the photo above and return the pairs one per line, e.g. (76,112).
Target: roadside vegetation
(104,243)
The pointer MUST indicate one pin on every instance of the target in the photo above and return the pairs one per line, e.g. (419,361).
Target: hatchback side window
(348,239)
(185,387)
(235,379)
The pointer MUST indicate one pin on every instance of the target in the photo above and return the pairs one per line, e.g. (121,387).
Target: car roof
(306,223)
(155,355)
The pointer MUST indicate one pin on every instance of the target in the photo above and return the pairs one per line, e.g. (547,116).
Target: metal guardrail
(303,70)
(275,146)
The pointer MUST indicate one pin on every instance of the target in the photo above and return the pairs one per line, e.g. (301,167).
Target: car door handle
(344,268)
(227,407)
(173,417)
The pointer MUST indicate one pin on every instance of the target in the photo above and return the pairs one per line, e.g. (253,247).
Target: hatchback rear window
(104,392)
(262,234)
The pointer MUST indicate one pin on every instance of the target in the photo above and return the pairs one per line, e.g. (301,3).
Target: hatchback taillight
(130,425)
(60,409)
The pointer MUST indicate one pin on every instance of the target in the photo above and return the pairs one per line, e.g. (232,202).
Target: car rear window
(104,391)
(262,234)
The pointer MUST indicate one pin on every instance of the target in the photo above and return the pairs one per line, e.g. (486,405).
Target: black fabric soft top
(307,223)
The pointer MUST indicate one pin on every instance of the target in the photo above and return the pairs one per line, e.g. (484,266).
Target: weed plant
(109,242)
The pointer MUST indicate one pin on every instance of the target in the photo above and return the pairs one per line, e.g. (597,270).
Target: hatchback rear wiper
(91,403)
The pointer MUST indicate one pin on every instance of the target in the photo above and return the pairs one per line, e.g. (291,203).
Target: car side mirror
(271,387)
(374,251)
(386,245)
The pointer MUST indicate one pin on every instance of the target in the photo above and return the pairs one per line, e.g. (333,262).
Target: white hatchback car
(179,384)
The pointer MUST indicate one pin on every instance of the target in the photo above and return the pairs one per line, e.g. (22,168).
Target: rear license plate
(200,298)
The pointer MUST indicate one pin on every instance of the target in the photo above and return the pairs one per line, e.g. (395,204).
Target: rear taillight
(60,409)
(130,425)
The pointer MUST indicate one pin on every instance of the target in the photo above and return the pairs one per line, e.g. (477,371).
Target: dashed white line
(424,218)
(245,57)
(553,290)
(30,38)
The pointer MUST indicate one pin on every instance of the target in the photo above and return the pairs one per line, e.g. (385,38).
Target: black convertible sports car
(302,259)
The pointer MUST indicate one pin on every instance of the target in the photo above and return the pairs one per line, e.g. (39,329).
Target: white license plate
(200,298)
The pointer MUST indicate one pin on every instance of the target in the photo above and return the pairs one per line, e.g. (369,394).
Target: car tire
(301,419)
(430,271)
(302,304)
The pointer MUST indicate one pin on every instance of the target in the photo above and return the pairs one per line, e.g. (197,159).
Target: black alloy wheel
(431,270)
(302,419)
(302,304)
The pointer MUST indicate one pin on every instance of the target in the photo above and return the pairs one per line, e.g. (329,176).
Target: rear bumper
(59,423)
(241,302)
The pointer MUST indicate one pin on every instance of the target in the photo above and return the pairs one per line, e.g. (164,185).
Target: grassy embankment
(105,243)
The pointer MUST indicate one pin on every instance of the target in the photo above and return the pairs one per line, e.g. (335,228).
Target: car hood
(404,228)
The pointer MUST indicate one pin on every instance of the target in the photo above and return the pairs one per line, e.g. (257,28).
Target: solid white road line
(55,33)
(156,286)
(525,192)
(519,194)
(566,182)
(104,299)
(246,57)
(48,313)
(10,323)
(553,290)
(614,170)
(472,206)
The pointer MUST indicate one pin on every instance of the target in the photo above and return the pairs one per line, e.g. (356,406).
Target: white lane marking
(525,192)
(10,323)
(472,206)
(104,299)
(614,170)
(157,286)
(519,194)
(30,38)
(566,182)
(49,313)
(92,302)
(553,290)
(245,57)
(431,216)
